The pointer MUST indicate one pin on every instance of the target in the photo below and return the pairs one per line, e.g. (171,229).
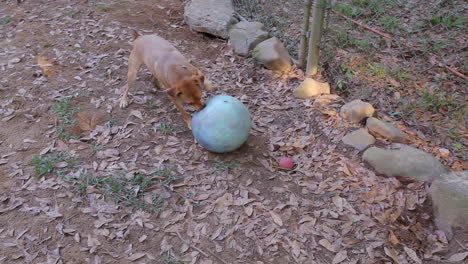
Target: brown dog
(170,69)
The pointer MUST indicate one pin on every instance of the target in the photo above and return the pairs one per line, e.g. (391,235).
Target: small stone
(359,139)
(272,54)
(444,153)
(406,162)
(355,111)
(214,17)
(385,130)
(450,201)
(244,36)
(310,88)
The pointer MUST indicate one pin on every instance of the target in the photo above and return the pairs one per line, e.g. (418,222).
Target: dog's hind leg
(134,64)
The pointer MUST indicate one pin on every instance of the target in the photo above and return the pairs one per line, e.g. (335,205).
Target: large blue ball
(223,125)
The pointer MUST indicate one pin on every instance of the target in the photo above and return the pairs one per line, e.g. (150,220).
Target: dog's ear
(135,34)
(173,92)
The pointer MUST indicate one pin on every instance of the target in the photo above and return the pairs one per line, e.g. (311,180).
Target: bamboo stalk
(304,32)
(315,37)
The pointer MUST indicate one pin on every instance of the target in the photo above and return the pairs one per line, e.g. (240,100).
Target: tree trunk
(304,32)
(316,35)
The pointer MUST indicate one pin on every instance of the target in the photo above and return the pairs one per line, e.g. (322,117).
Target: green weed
(222,165)
(343,39)
(433,101)
(449,21)
(169,259)
(151,105)
(347,10)
(65,112)
(398,74)
(378,70)
(391,24)
(166,128)
(103,7)
(123,191)
(406,110)
(43,165)
(6,20)
(375,6)
(96,148)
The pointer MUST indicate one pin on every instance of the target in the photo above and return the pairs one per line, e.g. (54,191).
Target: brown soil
(231,208)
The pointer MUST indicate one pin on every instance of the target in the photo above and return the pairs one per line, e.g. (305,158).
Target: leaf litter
(215,209)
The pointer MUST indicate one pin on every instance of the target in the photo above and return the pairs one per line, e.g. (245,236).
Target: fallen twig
(201,251)
(387,36)
(192,246)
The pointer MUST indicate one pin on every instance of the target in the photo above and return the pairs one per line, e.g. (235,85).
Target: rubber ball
(223,125)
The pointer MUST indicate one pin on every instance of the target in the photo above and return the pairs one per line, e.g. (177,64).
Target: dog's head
(189,91)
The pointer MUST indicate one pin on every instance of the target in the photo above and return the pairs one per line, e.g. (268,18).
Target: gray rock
(450,201)
(405,161)
(244,36)
(272,54)
(385,130)
(310,88)
(355,111)
(214,17)
(359,139)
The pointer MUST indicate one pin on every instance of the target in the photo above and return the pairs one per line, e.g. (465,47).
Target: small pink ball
(286,163)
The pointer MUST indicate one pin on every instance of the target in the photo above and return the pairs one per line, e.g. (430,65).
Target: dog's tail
(135,34)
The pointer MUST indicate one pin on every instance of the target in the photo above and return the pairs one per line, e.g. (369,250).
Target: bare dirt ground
(138,189)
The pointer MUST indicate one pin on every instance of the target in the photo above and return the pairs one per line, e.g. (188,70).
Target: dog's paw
(123,102)
(189,123)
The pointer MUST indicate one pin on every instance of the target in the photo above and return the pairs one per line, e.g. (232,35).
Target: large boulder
(450,201)
(359,139)
(385,130)
(214,17)
(310,88)
(272,54)
(405,161)
(244,36)
(355,111)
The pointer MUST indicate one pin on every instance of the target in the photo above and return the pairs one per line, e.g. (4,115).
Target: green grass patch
(169,259)
(128,192)
(405,110)
(348,10)
(167,128)
(378,70)
(434,101)
(43,165)
(151,105)
(390,24)
(62,108)
(222,165)
(5,20)
(103,7)
(449,21)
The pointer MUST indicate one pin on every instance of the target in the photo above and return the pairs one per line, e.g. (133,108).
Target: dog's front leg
(185,115)
(134,64)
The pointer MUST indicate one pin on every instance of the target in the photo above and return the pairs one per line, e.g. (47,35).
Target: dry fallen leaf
(458,257)
(341,256)
(248,210)
(136,256)
(326,244)
(412,254)
(296,248)
(393,238)
(276,218)
(392,254)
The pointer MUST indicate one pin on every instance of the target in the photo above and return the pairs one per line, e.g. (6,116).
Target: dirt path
(232,208)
